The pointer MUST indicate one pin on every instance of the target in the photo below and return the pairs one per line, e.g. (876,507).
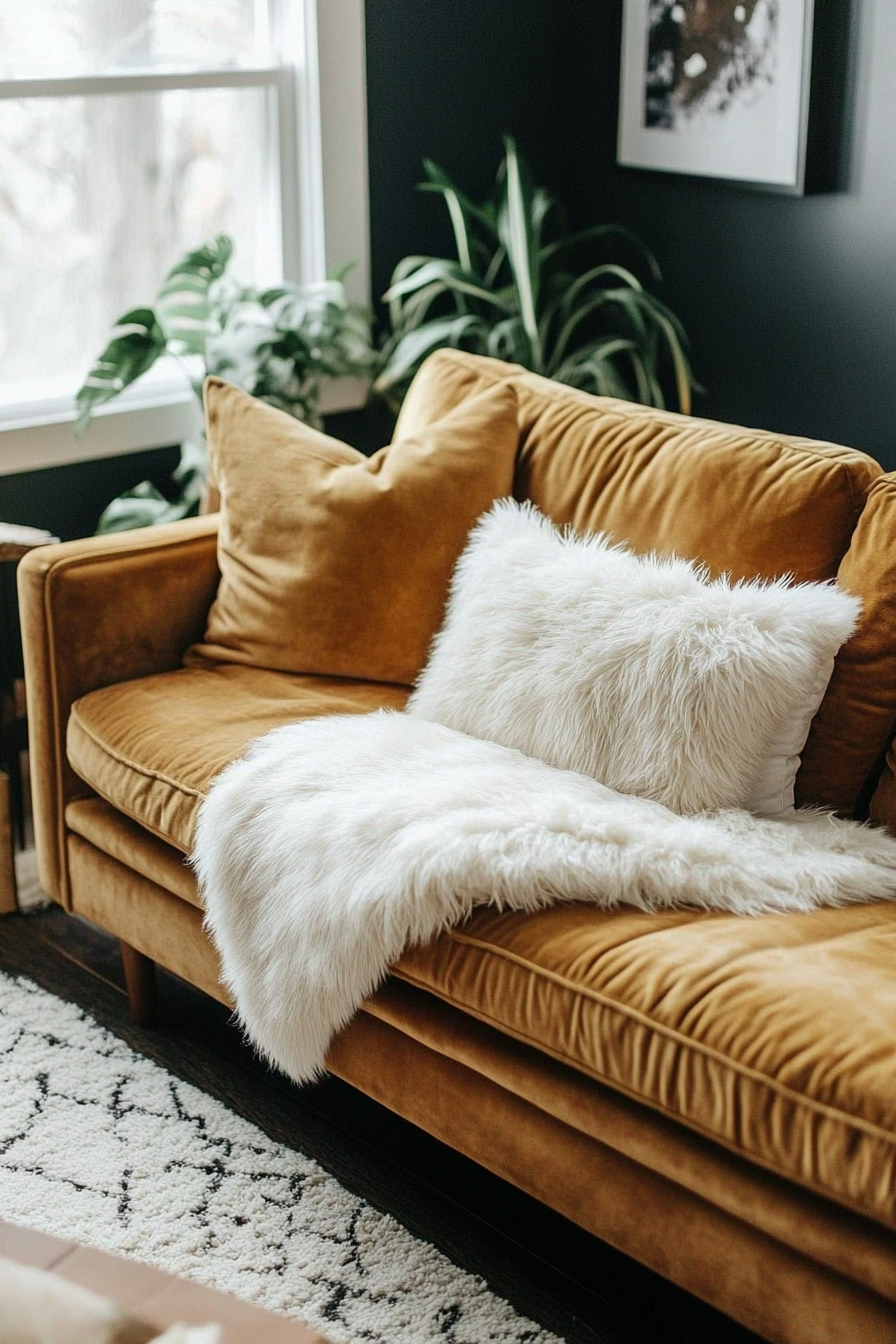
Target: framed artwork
(717,88)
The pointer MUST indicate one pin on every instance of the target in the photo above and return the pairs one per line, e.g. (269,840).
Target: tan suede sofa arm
(94,613)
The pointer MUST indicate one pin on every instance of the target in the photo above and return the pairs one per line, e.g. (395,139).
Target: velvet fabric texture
(742,501)
(337,564)
(100,612)
(749,1031)
(783,1210)
(152,748)
(482,1098)
(725,1221)
(883,804)
(858,714)
(721,1227)
(133,846)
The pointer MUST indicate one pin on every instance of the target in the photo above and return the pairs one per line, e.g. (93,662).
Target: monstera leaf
(280,344)
(145,504)
(135,344)
(183,301)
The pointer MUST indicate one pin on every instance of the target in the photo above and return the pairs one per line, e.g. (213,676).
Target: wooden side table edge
(159,1298)
(9,902)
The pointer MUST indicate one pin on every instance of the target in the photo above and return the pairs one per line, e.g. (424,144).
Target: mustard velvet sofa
(714,1096)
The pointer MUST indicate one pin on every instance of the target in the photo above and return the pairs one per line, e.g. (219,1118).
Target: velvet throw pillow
(335,563)
(639,671)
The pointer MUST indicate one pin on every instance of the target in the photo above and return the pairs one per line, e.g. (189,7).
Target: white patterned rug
(99,1145)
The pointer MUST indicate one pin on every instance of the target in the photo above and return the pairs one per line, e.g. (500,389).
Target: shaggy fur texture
(337,842)
(638,671)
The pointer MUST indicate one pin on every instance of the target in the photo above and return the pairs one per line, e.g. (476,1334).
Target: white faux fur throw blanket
(338,842)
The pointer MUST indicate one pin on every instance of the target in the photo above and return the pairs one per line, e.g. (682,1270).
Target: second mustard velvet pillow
(335,563)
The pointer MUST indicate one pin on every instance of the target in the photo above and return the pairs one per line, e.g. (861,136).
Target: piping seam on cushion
(61,567)
(132,765)
(822,1108)
(713,1136)
(146,826)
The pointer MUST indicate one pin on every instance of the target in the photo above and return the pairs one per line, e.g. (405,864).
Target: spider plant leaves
(459,225)
(505,339)
(596,363)
(636,311)
(681,363)
(438,180)
(135,343)
(418,305)
(581,314)
(517,231)
(404,268)
(412,348)
(599,232)
(452,276)
(183,300)
(524,298)
(575,287)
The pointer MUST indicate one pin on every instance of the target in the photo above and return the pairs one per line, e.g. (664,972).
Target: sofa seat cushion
(152,747)
(773,1035)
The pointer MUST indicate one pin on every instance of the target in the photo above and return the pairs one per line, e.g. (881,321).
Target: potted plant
(515,291)
(279,344)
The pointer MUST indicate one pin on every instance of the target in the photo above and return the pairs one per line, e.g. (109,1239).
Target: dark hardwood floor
(550,1270)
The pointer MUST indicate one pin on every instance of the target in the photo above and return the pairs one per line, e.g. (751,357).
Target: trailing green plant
(279,344)
(515,292)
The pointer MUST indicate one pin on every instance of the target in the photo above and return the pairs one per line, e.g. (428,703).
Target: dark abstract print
(706,55)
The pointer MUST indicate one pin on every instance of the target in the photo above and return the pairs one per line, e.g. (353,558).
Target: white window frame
(321,135)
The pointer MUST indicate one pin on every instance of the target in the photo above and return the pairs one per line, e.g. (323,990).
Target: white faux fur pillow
(639,671)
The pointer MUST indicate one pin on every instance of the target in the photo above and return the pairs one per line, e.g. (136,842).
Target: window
(131,130)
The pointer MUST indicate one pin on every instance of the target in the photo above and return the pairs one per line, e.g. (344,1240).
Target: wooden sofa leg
(140,979)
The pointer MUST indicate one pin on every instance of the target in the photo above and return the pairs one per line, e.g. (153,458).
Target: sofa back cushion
(335,563)
(857,717)
(743,501)
(883,803)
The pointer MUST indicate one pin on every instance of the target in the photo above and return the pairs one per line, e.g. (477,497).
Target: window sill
(40,433)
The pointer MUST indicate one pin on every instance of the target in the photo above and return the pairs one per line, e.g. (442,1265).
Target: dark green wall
(68,500)
(444,81)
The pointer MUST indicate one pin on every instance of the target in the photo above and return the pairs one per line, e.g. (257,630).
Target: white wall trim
(342,66)
(142,417)
(139,81)
(49,440)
